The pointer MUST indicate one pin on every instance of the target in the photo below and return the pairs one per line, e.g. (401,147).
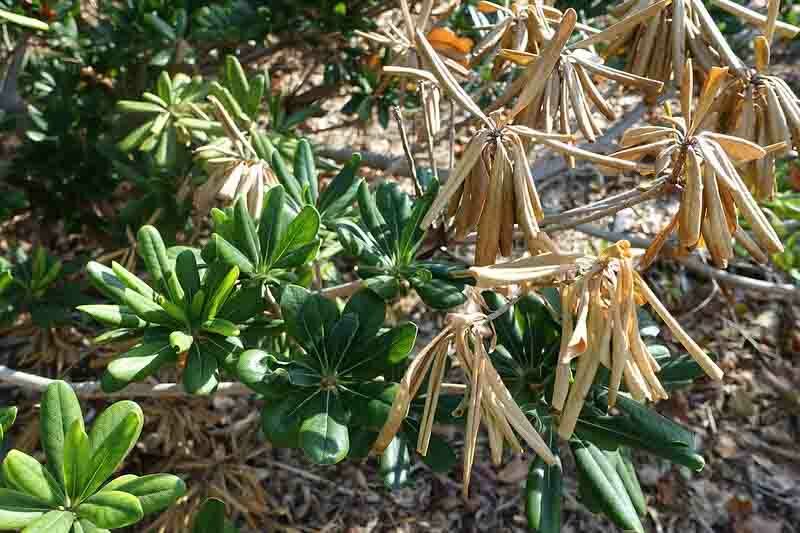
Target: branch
(783,290)
(91,389)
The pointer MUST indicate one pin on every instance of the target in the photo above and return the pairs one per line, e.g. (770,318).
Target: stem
(398,116)
(92,389)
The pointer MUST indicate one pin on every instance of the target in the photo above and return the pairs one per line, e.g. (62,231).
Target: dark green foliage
(387,243)
(327,383)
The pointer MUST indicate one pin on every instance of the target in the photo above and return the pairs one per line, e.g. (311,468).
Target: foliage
(387,243)
(328,382)
(32,284)
(70,493)
(192,312)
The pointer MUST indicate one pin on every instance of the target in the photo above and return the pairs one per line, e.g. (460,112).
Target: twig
(308,475)
(342,291)
(398,116)
(654,191)
(782,290)
(92,389)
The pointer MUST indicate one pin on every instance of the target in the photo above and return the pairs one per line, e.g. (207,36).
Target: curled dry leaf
(489,400)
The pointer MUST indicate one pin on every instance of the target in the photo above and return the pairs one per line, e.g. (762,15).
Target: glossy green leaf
(156,492)
(142,360)
(210,518)
(132,281)
(440,294)
(273,223)
(281,420)
(188,273)
(113,315)
(18,509)
(370,310)
(52,522)
(323,435)
(22,20)
(111,509)
(230,254)
(60,409)
(373,219)
(543,493)
(627,473)
(246,233)
(300,232)
(112,436)
(84,526)
(77,455)
(341,191)
(602,480)
(201,375)
(244,303)
(305,170)
(640,427)
(220,294)
(23,473)
(289,182)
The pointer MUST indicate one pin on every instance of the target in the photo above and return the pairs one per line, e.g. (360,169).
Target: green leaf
(341,337)
(201,373)
(132,281)
(77,455)
(52,522)
(627,473)
(230,254)
(273,223)
(220,294)
(396,463)
(220,326)
(143,360)
(210,518)
(188,273)
(395,206)
(60,409)
(111,509)
(113,315)
(236,78)
(441,457)
(412,234)
(323,435)
(22,20)
(543,493)
(299,233)
(300,256)
(17,509)
(245,229)
(305,170)
(7,417)
(341,191)
(245,303)
(374,221)
(112,437)
(384,286)
(152,250)
(289,182)
(370,310)
(439,294)
(308,317)
(281,420)
(383,351)
(639,427)
(605,485)
(23,473)
(156,492)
